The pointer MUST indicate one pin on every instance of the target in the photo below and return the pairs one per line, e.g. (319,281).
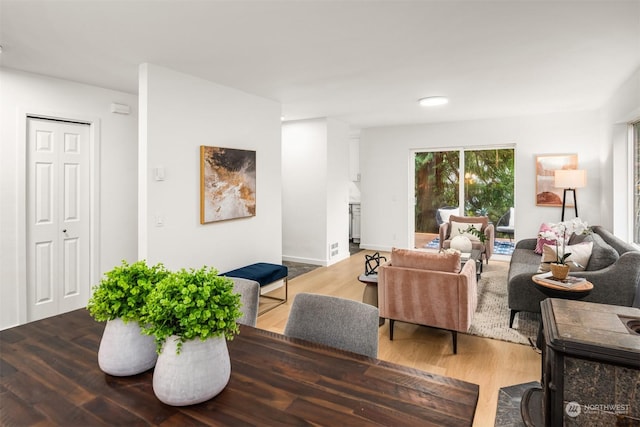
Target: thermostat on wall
(120,108)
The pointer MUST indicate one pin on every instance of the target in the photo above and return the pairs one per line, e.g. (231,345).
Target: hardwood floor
(489,363)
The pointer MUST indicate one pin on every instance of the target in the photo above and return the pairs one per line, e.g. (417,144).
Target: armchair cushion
(464,221)
(407,258)
(458,229)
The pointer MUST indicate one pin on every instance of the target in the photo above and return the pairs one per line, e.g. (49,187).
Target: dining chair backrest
(249,291)
(337,322)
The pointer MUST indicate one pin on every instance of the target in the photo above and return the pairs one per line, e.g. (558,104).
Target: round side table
(370,294)
(578,291)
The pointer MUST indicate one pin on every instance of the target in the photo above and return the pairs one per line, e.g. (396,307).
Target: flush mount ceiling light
(433,100)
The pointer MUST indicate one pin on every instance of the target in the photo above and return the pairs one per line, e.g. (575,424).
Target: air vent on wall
(333,249)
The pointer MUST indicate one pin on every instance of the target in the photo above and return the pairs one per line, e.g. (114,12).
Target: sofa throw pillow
(434,261)
(543,241)
(577,261)
(457,229)
(602,255)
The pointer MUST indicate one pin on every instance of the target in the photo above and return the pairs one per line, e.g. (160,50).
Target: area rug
(298,268)
(491,319)
(500,247)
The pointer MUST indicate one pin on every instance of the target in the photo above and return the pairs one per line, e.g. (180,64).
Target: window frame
(634,183)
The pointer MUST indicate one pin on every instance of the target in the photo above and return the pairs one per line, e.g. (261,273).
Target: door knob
(64,231)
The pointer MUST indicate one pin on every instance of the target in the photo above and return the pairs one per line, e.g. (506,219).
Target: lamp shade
(572,178)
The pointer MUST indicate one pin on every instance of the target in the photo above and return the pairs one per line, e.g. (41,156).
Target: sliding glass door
(437,183)
(468,182)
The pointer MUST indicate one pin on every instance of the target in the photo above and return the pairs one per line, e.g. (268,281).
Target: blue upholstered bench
(265,274)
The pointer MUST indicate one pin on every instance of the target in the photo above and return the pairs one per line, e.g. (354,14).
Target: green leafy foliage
(562,259)
(123,291)
(476,232)
(488,184)
(192,304)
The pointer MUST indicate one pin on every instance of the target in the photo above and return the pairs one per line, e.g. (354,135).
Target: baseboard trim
(303,260)
(369,247)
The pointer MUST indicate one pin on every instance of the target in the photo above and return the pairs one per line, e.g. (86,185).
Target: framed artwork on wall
(227,184)
(546,165)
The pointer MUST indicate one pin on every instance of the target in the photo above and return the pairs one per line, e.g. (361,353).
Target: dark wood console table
(50,376)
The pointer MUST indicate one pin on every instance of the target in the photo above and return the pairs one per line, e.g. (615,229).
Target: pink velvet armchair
(456,224)
(428,288)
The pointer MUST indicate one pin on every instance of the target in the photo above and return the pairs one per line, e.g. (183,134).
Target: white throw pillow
(580,254)
(457,229)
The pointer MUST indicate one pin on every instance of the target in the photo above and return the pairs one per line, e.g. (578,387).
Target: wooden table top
(50,376)
(583,286)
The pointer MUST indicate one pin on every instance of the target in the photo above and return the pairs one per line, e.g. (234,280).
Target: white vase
(198,373)
(125,350)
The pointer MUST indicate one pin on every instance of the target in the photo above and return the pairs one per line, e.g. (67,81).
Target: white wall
(178,114)
(386,188)
(315,166)
(117,198)
(338,187)
(304,184)
(622,109)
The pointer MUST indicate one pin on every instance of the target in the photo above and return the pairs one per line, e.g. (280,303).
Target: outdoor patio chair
(506,224)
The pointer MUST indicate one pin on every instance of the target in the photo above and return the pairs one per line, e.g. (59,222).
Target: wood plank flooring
(492,364)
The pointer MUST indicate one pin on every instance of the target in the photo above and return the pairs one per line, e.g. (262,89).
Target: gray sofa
(614,270)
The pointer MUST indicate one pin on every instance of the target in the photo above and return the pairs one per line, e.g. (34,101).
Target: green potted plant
(471,229)
(120,299)
(191,314)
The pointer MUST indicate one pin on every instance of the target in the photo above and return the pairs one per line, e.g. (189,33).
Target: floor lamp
(569,180)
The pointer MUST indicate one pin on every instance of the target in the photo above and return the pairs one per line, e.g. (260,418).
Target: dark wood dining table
(49,375)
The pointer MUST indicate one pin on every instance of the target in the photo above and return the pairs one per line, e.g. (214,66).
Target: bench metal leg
(280,300)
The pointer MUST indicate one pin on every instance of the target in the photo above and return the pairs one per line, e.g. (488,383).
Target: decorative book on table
(569,282)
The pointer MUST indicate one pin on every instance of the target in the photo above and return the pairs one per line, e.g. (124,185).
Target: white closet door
(58,223)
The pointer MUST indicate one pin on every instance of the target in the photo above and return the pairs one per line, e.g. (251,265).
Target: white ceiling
(364,62)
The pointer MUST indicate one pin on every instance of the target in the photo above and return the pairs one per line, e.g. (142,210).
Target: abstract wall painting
(546,193)
(227,184)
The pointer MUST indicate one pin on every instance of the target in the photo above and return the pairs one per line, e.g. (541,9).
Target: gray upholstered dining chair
(249,291)
(338,322)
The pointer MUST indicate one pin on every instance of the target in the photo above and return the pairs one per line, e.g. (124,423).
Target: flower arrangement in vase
(563,231)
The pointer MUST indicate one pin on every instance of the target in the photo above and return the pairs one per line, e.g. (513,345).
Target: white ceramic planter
(198,373)
(124,350)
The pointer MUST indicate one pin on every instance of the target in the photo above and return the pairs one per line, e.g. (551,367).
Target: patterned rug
(500,247)
(491,319)
(298,268)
